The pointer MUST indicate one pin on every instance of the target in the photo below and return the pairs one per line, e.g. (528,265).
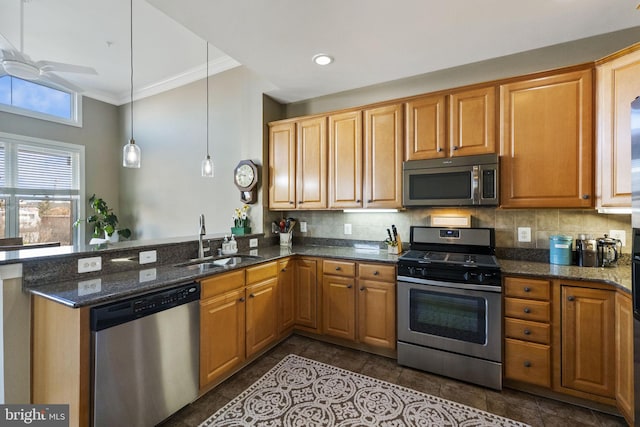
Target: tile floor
(520,406)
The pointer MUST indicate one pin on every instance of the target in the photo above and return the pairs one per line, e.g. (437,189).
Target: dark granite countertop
(619,276)
(101,288)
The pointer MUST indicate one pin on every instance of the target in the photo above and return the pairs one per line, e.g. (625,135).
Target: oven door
(454,317)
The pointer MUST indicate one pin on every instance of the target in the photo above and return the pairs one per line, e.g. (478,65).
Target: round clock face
(244,175)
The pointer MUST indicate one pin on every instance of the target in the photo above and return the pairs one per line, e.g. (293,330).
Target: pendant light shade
(207,163)
(131,152)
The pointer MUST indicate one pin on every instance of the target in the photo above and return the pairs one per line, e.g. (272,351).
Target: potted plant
(104,221)
(241,221)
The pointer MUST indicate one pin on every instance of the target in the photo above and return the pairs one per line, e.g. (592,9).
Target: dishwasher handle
(116,313)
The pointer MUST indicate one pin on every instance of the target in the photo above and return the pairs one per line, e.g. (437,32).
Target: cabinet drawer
(383,273)
(527,288)
(261,272)
(527,362)
(339,268)
(221,283)
(527,331)
(539,311)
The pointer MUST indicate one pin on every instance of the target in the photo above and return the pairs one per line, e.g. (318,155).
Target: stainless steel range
(450,305)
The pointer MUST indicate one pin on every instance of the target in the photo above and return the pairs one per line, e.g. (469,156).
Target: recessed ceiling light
(322,59)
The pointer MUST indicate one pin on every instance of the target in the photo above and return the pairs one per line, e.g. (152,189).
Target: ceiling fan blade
(46,66)
(60,82)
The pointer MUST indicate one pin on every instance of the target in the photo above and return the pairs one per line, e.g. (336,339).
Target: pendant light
(207,163)
(131,152)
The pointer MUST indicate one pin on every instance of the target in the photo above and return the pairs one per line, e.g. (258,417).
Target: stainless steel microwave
(456,181)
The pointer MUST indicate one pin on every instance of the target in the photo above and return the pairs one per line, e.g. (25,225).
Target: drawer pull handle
(571,298)
(527,310)
(362,288)
(527,332)
(252,295)
(527,364)
(527,289)
(241,299)
(375,273)
(338,268)
(349,286)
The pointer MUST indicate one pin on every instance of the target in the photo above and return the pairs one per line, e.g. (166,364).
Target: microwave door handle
(475,185)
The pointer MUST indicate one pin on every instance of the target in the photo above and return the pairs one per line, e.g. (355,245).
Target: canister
(560,249)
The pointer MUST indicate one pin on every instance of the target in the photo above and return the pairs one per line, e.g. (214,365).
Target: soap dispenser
(233,245)
(225,245)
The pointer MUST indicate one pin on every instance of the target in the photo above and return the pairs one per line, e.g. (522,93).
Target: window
(37,100)
(40,189)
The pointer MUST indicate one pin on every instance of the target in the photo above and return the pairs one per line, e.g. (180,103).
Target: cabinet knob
(585,196)
(527,310)
(527,332)
(455,147)
(338,268)
(300,202)
(439,149)
(362,288)
(283,270)
(252,295)
(571,298)
(241,299)
(369,201)
(290,202)
(375,273)
(349,286)
(527,289)
(527,364)
(358,201)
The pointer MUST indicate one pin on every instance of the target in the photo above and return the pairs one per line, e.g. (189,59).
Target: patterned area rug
(303,392)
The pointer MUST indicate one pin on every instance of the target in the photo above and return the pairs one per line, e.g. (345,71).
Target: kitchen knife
(395,232)
(389,233)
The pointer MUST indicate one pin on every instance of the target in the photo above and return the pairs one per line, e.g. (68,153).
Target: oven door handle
(450,285)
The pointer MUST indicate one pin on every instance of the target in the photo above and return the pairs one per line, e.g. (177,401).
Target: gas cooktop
(426,257)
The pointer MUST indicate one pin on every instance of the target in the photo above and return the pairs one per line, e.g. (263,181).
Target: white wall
(167,194)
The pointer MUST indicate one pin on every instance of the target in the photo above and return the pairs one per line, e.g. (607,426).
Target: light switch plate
(524,234)
(303,227)
(347,229)
(86,265)
(147,257)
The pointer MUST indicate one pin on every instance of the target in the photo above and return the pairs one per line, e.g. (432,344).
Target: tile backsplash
(543,223)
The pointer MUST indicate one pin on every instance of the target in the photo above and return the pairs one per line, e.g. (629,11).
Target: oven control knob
(480,278)
(423,272)
(412,271)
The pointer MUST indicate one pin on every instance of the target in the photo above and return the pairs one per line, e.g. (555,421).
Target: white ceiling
(373,41)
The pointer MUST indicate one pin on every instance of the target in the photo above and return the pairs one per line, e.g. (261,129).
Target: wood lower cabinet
(624,356)
(261,315)
(306,293)
(286,295)
(527,330)
(377,313)
(546,147)
(588,340)
(222,335)
(338,307)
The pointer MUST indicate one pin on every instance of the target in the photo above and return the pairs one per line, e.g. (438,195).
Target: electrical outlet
(147,275)
(524,234)
(253,252)
(303,227)
(347,229)
(620,235)
(147,257)
(86,265)
(86,287)
(253,243)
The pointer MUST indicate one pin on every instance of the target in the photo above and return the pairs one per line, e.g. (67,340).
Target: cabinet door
(338,307)
(345,160)
(472,122)
(383,157)
(311,163)
(222,334)
(262,318)
(546,142)
(286,295)
(426,128)
(306,293)
(618,83)
(588,339)
(377,313)
(282,166)
(624,356)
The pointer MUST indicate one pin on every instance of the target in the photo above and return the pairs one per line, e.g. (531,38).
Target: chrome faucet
(203,231)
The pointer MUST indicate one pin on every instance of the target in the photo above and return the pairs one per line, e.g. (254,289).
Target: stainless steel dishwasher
(145,357)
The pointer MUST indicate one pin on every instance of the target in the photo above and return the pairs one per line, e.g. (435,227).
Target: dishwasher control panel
(112,314)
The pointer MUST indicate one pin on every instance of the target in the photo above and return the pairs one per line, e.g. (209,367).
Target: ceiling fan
(16,63)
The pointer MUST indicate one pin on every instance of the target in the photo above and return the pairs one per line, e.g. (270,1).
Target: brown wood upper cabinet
(470,118)
(298,164)
(617,82)
(546,141)
(383,136)
(345,160)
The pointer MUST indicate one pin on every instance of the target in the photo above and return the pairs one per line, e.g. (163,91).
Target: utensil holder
(286,239)
(392,249)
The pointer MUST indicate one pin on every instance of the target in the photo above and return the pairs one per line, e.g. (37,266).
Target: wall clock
(245,176)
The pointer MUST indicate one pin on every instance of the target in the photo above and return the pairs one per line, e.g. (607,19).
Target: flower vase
(240,231)
(114,238)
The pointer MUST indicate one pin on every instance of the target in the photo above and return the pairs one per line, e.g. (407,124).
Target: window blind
(44,170)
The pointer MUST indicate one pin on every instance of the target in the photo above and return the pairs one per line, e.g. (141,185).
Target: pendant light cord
(131,63)
(207,77)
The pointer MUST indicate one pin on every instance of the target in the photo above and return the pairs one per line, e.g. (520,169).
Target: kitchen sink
(225,261)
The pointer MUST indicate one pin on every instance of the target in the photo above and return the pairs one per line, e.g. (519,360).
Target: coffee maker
(609,251)
(587,251)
